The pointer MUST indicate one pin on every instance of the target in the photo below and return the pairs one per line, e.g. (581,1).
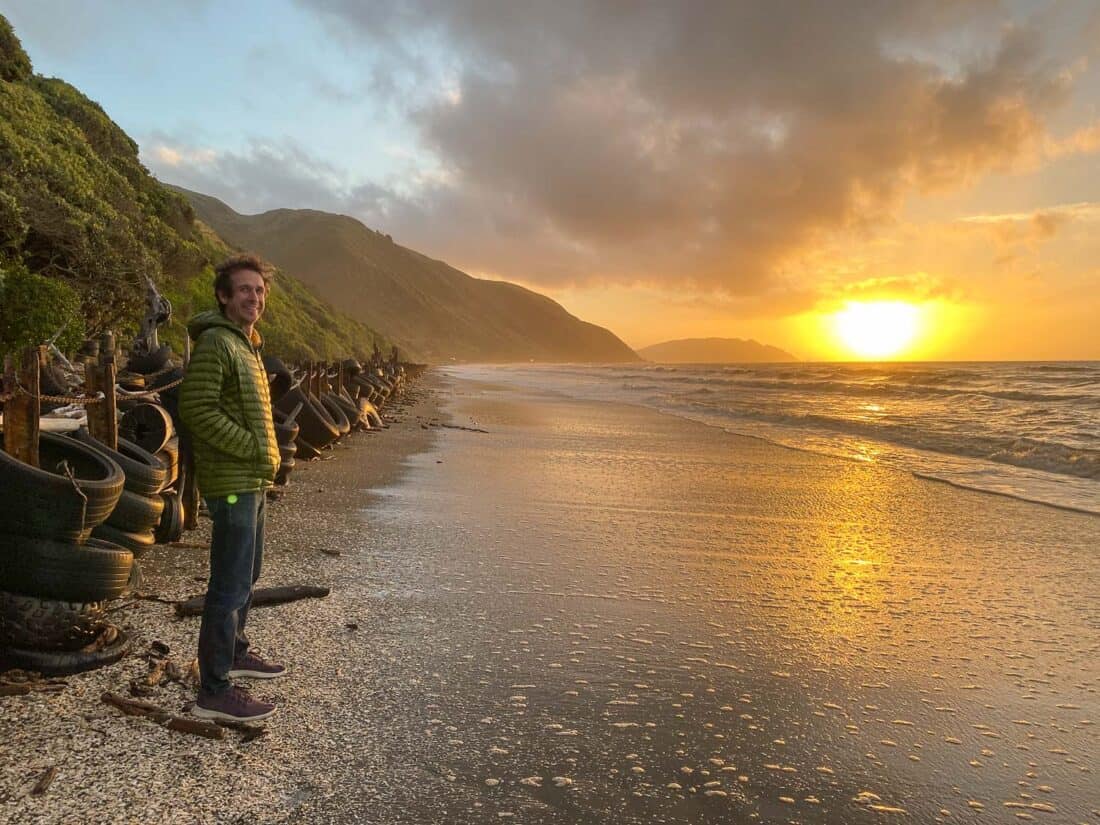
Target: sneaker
(252,666)
(234,705)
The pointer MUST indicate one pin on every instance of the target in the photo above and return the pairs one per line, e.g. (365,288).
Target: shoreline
(1070,490)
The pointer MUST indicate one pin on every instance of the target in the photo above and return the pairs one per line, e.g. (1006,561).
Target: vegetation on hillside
(34,309)
(432,311)
(80,212)
(296,323)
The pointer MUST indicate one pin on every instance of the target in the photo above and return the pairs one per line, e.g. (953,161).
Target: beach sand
(334,704)
(598,613)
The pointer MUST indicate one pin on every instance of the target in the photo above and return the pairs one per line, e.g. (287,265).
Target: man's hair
(223,273)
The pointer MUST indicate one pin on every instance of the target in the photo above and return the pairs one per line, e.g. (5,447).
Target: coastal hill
(714,351)
(431,310)
(83,223)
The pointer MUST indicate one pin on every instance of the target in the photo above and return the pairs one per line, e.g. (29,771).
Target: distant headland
(714,351)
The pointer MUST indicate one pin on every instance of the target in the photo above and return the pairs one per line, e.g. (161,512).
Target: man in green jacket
(226,409)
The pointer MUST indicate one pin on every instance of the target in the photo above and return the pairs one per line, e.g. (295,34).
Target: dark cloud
(691,143)
(703,142)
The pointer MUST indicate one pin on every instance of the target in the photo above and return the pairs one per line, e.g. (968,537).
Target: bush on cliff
(33,309)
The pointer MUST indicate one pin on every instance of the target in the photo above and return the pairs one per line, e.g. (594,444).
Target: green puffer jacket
(225,405)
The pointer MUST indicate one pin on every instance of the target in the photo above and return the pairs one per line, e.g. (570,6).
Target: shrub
(34,308)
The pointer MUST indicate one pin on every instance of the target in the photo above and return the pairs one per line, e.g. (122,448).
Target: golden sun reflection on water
(865,451)
(852,561)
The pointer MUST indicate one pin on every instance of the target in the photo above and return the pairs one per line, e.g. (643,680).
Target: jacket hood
(209,319)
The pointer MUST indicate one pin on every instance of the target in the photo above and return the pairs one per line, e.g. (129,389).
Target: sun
(877,329)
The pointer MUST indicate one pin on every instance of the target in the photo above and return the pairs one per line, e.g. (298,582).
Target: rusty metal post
(21,412)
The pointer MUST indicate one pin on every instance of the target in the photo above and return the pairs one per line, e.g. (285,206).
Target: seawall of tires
(319,421)
(71,529)
(54,579)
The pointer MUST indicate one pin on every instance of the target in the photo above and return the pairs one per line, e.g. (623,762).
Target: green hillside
(78,209)
(432,310)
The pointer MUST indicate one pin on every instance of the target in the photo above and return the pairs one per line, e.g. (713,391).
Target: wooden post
(100,378)
(340,378)
(21,412)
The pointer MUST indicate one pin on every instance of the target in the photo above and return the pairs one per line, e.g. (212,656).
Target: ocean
(1029,430)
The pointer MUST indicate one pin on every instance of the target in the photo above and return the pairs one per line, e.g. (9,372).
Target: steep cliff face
(430,309)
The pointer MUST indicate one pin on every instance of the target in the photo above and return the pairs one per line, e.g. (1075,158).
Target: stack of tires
(54,578)
(286,431)
(316,427)
(131,524)
(364,394)
(152,426)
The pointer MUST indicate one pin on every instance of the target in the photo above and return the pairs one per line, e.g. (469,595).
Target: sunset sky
(688,169)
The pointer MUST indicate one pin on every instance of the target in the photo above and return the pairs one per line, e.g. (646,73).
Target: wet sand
(594,613)
(617,616)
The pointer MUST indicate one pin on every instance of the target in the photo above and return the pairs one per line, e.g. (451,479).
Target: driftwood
(29,683)
(134,707)
(260,598)
(44,781)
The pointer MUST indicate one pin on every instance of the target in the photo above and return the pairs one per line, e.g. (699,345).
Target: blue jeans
(236,554)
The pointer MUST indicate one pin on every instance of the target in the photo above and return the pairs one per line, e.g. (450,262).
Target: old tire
(170,526)
(136,513)
(305,451)
(343,426)
(90,572)
(315,424)
(285,433)
(136,543)
(147,425)
(350,410)
(42,501)
(110,645)
(151,362)
(170,458)
(145,473)
(47,624)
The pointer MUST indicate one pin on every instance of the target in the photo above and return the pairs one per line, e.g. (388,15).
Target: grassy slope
(426,306)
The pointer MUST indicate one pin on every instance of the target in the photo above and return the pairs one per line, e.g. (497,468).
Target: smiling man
(226,408)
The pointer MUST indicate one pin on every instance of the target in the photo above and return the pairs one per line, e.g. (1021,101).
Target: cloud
(261,176)
(705,144)
(1033,226)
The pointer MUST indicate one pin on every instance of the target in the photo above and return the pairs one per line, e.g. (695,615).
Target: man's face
(245,303)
